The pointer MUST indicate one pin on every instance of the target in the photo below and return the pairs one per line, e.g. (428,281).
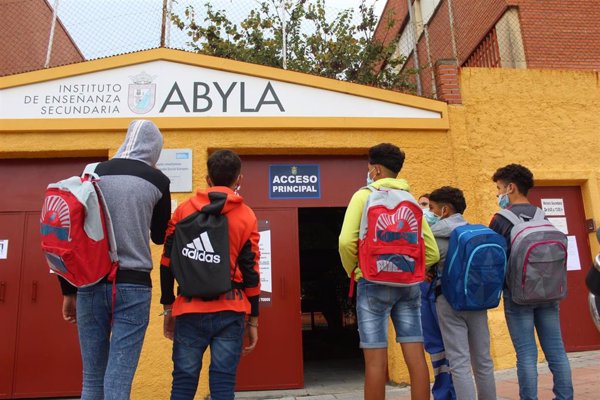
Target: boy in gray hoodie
(139,201)
(466,334)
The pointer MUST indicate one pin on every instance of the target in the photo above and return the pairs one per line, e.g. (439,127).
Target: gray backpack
(537,267)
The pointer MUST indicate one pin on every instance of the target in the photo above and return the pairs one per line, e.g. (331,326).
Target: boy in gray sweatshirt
(465,333)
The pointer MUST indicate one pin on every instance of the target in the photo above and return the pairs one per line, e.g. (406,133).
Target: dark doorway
(329,328)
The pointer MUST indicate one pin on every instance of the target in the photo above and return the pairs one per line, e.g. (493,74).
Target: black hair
(426,195)
(388,155)
(517,174)
(224,167)
(451,196)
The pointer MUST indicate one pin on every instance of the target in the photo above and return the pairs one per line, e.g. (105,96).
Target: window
(428,7)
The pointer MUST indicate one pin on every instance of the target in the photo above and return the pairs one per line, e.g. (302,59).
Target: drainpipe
(411,21)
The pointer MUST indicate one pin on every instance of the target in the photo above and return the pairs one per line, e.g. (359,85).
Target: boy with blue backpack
(471,267)
(535,282)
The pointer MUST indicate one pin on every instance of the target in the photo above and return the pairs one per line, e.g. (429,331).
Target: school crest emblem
(142,93)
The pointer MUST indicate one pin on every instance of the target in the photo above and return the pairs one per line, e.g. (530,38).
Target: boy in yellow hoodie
(376,303)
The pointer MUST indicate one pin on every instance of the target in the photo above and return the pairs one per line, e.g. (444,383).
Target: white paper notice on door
(3,249)
(553,206)
(560,223)
(573,263)
(264,246)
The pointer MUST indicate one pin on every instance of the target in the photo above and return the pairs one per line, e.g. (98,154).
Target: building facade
(435,34)
(283,124)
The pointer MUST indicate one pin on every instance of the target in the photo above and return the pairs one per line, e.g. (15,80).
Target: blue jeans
(521,320)
(223,332)
(376,303)
(442,388)
(110,355)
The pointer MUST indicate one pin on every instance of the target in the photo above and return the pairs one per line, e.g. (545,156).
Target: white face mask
(369,179)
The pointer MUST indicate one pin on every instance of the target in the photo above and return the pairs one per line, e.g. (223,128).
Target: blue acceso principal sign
(300,181)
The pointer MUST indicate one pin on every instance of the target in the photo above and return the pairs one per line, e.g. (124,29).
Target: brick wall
(24,32)
(561,34)
(473,19)
(394,15)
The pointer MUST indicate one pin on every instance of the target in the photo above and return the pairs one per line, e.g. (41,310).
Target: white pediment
(163,88)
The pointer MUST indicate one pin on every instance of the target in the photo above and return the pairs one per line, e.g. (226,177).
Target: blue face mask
(503,201)
(431,218)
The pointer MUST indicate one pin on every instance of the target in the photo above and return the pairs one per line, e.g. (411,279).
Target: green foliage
(335,48)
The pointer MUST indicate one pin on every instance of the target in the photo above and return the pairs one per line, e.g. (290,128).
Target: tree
(335,48)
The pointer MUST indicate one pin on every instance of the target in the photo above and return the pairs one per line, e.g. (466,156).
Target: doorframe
(587,181)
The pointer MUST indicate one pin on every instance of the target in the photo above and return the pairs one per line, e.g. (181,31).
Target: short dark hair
(517,174)
(224,167)
(451,196)
(388,155)
(426,195)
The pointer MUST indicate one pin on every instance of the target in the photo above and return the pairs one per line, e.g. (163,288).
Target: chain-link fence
(36,34)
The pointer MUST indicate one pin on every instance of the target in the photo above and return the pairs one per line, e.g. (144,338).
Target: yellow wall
(547,120)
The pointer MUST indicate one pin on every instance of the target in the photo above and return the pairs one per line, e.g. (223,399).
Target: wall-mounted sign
(553,206)
(170,89)
(176,164)
(297,181)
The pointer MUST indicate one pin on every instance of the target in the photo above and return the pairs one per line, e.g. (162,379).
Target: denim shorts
(376,303)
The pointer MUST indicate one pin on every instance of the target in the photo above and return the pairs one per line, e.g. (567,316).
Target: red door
(11,235)
(47,347)
(276,363)
(564,207)
(39,352)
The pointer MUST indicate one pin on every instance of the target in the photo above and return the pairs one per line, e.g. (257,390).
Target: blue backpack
(473,275)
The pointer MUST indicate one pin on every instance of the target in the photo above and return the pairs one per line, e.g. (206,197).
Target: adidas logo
(201,249)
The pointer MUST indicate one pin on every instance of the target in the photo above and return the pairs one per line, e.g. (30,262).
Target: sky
(102,28)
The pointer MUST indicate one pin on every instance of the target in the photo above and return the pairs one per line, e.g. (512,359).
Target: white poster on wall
(553,206)
(176,164)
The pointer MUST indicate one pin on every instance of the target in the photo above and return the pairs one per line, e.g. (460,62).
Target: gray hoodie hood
(143,142)
(442,231)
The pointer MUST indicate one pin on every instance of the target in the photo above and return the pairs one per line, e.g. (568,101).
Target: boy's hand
(252,332)
(69,308)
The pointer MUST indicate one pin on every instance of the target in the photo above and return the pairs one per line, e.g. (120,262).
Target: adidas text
(201,255)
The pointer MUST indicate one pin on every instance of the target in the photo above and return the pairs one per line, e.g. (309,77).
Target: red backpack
(391,249)
(77,235)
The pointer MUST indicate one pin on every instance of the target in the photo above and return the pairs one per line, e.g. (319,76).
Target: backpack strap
(89,173)
(371,188)
(510,216)
(90,170)
(539,215)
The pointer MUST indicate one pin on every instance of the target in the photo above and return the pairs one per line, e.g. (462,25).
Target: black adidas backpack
(200,252)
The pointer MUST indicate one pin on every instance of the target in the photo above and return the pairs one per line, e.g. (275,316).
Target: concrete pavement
(585,368)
